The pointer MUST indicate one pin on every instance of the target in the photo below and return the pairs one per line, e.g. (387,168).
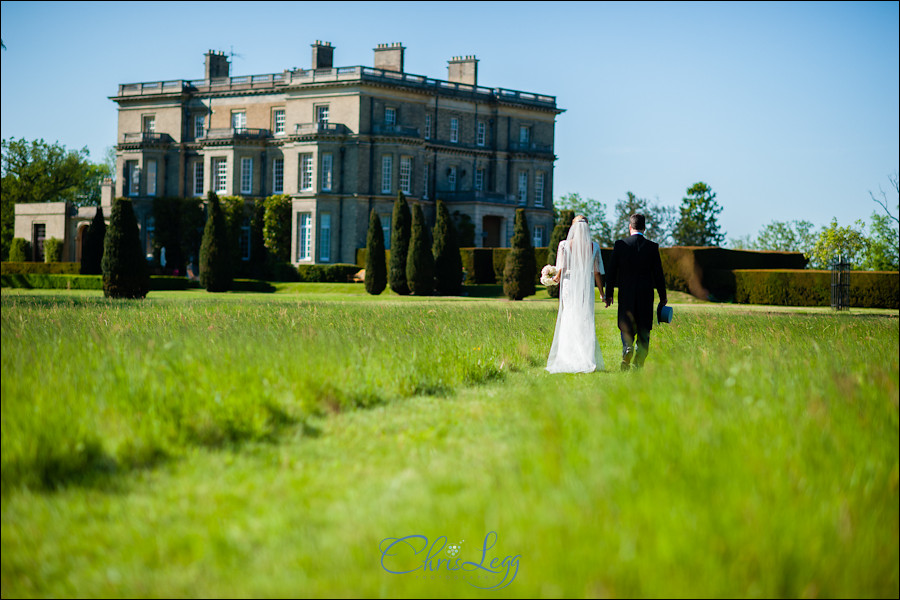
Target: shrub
(447,260)
(19,250)
(376,267)
(215,255)
(277,227)
(25,268)
(559,233)
(520,268)
(125,272)
(258,252)
(334,273)
(784,287)
(53,250)
(92,248)
(419,259)
(400,232)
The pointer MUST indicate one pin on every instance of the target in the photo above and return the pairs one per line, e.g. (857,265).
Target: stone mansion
(339,141)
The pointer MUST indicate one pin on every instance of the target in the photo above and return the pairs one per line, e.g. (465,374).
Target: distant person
(636,269)
(574,348)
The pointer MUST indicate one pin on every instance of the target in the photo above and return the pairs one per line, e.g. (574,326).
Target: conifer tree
(215,256)
(447,261)
(125,270)
(420,261)
(92,249)
(520,269)
(400,224)
(376,269)
(560,232)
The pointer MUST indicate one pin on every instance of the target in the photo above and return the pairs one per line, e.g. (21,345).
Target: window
(325,237)
(245,239)
(327,171)
(198,178)
(238,120)
(481,134)
(539,189)
(304,236)
(386,230)
(523,188)
(278,118)
(322,115)
(39,235)
(427,127)
(406,174)
(479,180)
(246,175)
(278,176)
(148,124)
(387,165)
(199,126)
(425,182)
(454,130)
(220,169)
(451,179)
(523,134)
(306,172)
(538,241)
(132,178)
(151,177)
(390,116)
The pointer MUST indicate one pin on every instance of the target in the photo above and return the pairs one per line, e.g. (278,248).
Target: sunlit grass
(189,446)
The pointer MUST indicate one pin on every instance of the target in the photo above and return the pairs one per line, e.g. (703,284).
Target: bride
(575,348)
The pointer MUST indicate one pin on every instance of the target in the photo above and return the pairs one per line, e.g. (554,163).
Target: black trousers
(635,342)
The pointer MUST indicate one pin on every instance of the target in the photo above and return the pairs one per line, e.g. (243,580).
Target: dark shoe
(624,367)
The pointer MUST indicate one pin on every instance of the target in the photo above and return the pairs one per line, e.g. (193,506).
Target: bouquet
(547,275)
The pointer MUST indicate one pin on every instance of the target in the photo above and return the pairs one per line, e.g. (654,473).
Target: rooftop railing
(224,133)
(143,137)
(319,127)
(477,196)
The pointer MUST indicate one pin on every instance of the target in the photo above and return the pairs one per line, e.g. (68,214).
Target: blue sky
(787,110)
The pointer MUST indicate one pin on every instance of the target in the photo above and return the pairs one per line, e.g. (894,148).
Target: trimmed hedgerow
(785,287)
(53,250)
(56,268)
(334,273)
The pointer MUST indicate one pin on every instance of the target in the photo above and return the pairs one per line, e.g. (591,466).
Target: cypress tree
(520,269)
(447,261)
(215,256)
(376,269)
(420,261)
(125,271)
(92,249)
(560,232)
(400,225)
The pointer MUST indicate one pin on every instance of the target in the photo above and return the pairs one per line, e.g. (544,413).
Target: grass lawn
(319,442)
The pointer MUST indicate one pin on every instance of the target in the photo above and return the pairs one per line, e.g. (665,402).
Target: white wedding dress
(575,348)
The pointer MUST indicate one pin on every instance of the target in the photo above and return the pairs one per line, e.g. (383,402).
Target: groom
(636,269)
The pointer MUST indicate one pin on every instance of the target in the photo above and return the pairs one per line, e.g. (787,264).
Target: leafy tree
(594,211)
(400,232)
(559,233)
(447,260)
(92,249)
(376,267)
(787,236)
(659,219)
(20,250)
(125,271)
(883,250)
(36,171)
(520,270)
(697,224)
(215,254)
(835,243)
(419,260)
(277,227)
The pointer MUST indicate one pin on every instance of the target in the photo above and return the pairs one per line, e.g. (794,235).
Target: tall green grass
(756,454)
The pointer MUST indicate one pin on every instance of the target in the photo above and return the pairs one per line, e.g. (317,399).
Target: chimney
(463,69)
(389,57)
(322,55)
(216,65)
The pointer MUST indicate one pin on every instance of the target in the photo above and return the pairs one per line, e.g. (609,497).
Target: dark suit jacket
(636,269)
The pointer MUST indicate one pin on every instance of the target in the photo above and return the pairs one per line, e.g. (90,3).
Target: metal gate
(840,284)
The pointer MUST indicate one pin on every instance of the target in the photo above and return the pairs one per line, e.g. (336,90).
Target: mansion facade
(339,141)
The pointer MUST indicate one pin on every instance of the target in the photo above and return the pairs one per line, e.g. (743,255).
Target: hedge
(95,282)
(786,287)
(53,268)
(336,273)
